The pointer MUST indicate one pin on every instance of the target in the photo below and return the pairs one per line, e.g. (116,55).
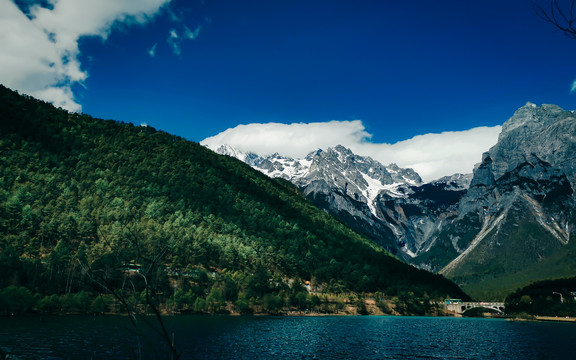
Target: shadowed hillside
(87,203)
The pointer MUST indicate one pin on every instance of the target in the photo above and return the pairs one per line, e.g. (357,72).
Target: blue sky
(198,68)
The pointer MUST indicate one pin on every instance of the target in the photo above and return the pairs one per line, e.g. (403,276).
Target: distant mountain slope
(387,204)
(360,177)
(514,224)
(418,214)
(508,224)
(78,192)
(544,298)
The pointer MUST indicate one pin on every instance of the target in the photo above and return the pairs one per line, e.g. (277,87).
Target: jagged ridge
(463,225)
(388,204)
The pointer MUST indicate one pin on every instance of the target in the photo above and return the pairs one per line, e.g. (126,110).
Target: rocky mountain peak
(248,157)
(547,132)
(531,116)
(515,213)
(312,154)
(518,213)
(456,182)
(483,174)
(360,177)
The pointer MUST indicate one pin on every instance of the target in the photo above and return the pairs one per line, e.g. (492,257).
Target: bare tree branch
(100,278)
(559,15)
(149,273)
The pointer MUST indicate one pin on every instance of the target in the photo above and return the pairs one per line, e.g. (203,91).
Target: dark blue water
(206,337)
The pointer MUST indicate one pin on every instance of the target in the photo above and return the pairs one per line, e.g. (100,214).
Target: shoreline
(538,318)
(231,314)
(555,318)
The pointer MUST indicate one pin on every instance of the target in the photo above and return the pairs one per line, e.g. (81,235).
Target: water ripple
(220,338)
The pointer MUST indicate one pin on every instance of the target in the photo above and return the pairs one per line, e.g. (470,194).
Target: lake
(346,337)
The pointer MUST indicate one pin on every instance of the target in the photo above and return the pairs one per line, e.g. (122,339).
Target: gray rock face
(546,131)
(388,204)
(456,182)
(537,145)
(512,219)
(513,232)
(519,212)
(362,178)
(416,216)
(484,173)
(348,186)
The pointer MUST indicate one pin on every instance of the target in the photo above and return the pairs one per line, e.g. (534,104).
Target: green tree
(50,304)
(184,300)
(301,300)
(272,303)
(99,305)
(361,307)
(215,300)
(230,289)
(200,305)
(259,283)
(17,300)
(243,306)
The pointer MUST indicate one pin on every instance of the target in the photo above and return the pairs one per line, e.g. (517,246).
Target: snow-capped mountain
(508,223)
(359,191)
(360,177)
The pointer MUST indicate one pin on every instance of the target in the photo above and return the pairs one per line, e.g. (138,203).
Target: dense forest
(546,298)
(98,215)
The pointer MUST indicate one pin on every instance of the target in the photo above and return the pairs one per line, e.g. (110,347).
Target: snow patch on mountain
(360,177)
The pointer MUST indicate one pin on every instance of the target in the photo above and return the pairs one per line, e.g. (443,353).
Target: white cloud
(40,53)
(189,34)
(431,155)
(152,50)
(573,88)
(436,155)
(295,140)
(175,37)
(175,40)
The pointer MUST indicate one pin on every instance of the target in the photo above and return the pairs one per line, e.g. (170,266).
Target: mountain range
(502,227)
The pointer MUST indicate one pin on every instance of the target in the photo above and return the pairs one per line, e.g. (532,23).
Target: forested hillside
(545,298)
(89,206)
